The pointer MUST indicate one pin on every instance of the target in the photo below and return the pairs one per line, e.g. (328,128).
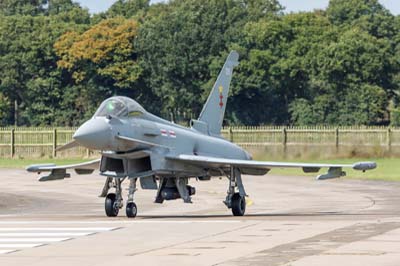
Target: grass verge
(23,163)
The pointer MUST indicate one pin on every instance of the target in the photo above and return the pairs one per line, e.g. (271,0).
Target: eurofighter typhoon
(138,146)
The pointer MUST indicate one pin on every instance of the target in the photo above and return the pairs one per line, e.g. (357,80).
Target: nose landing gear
(114,202)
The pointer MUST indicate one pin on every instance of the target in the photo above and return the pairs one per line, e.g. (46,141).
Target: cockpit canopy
(120,107)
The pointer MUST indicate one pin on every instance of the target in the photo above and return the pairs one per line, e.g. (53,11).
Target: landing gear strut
(236,200)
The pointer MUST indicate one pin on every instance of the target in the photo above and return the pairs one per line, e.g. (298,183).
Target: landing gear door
(148,183)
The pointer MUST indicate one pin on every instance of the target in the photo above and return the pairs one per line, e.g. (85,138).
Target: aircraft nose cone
(94,134)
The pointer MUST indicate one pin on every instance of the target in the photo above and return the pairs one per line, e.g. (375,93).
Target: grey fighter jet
(163,156)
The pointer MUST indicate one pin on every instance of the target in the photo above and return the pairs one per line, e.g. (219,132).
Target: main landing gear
(114,201)
(131,210)
(236,200)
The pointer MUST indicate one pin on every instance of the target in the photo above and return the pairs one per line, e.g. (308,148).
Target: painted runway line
(33,240)
(57,229)
(61,234)
(155,221)
(6,251)
(19,235)
(13,239)
(20,245)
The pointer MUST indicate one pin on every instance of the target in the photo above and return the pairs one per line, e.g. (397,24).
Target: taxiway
(293,221)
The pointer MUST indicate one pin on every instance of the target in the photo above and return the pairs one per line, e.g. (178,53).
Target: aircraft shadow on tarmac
(271,215)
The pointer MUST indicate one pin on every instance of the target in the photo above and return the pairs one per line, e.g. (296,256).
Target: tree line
(339,66)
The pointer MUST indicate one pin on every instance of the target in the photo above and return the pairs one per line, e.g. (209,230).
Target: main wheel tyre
(110,206)
(238,205)
(131,210)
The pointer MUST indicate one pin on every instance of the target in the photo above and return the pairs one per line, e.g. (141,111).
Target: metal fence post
(12,146)
(337,138)
(284,136)
(389,138)
(284,140)
(54,143)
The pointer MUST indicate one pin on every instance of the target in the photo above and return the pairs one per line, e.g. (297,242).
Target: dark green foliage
(128,8)
(21,7)
(395,117)
(338,66)
(186,42)
(28,64)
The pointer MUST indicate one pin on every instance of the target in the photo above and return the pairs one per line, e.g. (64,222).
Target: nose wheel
(111,206)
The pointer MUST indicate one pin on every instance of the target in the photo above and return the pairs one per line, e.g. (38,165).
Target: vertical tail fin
(214,109)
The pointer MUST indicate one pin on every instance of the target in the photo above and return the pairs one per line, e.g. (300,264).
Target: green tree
(28,70)
(181,45)
(340,66)
(302,69)
(369,15)
(105,50)
(127,8)
(275,71)
(5,110)
(355,71)
(21,7)
(103,58)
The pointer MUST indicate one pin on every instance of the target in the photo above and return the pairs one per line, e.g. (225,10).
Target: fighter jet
(163,156)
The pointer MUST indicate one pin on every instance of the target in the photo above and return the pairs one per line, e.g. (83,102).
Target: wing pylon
(60,172)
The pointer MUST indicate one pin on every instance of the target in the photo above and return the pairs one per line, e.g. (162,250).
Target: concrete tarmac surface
(293,221)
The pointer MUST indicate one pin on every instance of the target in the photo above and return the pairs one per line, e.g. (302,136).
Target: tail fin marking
(214,109)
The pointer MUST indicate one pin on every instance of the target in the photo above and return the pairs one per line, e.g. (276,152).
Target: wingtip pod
(364,166)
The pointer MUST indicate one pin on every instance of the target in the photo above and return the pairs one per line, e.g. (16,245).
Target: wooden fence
(29,142)
(42,142)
